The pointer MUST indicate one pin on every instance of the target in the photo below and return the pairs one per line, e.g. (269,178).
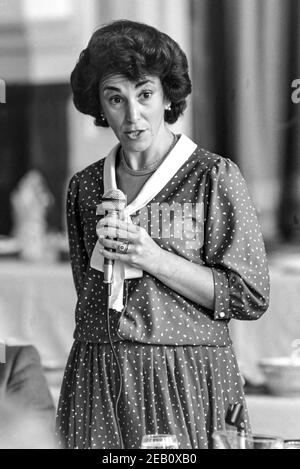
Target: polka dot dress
(179,390)
(179,372)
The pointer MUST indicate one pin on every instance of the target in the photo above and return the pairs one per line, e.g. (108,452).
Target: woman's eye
(146,94)
(115,100)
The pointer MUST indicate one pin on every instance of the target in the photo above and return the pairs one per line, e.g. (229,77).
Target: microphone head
(114,194)
(114,199)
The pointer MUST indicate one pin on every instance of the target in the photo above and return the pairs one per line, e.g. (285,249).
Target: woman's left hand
(142,252)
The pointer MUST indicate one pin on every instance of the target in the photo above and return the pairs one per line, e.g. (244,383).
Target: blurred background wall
(245,58)
(243,55)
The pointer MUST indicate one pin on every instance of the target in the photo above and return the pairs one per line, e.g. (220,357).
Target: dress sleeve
(234,246)
(78,254)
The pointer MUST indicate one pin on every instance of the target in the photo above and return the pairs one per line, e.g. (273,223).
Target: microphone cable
(116,357)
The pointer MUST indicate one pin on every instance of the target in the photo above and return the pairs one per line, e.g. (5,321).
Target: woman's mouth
(134,134)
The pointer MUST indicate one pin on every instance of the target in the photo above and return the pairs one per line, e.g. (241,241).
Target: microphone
(114,202)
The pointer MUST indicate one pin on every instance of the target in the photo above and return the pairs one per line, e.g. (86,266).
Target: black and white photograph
(149,227)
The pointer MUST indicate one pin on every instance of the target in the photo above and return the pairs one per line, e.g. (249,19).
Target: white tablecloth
(37,306)
(271,335)
(272,415)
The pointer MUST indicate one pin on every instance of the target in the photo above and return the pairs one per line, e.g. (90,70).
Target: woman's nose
(132,112)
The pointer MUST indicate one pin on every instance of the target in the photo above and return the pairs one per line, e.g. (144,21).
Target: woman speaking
(187,251)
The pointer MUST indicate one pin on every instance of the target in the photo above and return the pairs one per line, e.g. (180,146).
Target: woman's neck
(157,151)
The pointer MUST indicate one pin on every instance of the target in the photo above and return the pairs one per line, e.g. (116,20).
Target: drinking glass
(264,442)
(291,444)
(156,441)
(228,439)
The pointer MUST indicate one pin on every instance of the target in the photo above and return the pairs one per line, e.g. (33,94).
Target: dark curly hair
(134,50)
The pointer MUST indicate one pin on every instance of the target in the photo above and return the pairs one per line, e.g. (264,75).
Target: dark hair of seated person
(134,50)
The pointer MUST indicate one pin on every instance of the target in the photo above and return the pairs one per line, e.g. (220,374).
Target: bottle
(234,421)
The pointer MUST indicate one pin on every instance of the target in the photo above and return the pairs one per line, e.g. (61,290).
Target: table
(272,335)
(37,304)
(272,415)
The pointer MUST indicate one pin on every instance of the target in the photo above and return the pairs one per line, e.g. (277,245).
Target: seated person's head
(26,406)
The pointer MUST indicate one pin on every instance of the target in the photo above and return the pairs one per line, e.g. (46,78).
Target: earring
(168,108)
(102,118)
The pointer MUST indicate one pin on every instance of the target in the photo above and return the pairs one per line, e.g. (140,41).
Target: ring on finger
(123,247)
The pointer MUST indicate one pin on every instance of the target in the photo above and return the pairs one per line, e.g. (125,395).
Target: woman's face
(134,110)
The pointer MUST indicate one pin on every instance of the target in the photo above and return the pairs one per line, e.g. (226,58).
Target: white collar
(164,173)
(157,181)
